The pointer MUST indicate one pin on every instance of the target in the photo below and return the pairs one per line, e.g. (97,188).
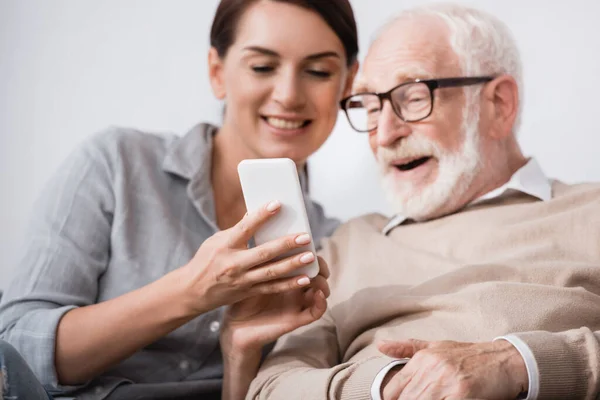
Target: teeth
(284,123)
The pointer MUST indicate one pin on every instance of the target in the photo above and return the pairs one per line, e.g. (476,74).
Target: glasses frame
(432,84)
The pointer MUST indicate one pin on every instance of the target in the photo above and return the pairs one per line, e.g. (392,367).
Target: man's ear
(353,70)
(216,71)
(502,105)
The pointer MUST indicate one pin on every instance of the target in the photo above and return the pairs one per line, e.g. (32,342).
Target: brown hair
(337,14)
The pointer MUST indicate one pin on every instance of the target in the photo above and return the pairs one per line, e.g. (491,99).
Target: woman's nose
(288,91)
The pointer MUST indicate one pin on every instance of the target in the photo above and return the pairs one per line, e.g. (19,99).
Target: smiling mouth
(280,123)
(413,164)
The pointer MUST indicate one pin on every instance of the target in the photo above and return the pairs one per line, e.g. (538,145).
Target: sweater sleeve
(568,362)
(305,365)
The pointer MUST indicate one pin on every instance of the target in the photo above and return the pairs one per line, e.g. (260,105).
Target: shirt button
(214,326)
(184,365)
(99,390)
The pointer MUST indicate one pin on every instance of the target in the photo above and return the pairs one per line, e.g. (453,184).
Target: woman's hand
(252,323)
(224,271)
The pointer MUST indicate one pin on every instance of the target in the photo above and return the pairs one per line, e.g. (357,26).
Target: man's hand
(451,370)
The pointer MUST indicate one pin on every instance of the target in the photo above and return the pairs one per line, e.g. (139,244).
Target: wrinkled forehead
(408,49)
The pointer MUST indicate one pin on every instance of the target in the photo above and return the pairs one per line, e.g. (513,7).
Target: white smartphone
(267,179)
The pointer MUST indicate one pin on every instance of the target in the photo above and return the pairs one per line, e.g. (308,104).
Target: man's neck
(499,180)
(498,171)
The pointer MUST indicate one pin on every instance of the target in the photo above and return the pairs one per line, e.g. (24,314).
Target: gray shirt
(123,210)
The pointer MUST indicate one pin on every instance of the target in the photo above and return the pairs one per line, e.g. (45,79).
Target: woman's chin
(294,155)
(278,149)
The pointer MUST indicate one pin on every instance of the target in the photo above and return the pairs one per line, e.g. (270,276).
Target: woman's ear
(353,70)
(502,98)
(216,70)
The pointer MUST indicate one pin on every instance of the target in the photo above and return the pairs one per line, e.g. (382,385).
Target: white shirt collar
(529,179)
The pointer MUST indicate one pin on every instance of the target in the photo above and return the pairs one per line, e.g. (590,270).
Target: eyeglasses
(411,101)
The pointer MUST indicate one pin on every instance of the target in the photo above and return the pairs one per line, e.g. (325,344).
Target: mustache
(409,147)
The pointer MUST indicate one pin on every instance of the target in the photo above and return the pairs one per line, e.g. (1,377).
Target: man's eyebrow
(360,87)
(412,74)
(273,53)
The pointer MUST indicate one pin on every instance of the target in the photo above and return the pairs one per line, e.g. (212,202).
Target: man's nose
(390,127)
(288,91)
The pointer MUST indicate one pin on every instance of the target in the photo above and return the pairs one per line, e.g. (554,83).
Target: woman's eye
(319,74)
(262,69)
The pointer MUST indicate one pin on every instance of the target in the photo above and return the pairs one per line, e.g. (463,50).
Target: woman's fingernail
(272,206)
(303,281)
(303,239)
(307,258)
(321,294)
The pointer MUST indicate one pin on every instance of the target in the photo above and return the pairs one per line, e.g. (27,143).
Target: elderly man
(487,282)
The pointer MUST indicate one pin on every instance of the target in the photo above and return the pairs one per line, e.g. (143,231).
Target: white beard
(456,171)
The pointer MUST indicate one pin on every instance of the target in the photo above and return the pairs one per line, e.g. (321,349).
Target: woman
(139,241)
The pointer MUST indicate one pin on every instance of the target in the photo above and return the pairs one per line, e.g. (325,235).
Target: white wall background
(69,68)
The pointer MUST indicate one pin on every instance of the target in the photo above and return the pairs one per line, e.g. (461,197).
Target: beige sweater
(510,265)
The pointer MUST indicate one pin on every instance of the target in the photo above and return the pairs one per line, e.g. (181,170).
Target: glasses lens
(363,112)
(412,101)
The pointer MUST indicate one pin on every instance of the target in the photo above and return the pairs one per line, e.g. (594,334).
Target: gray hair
(483,43)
